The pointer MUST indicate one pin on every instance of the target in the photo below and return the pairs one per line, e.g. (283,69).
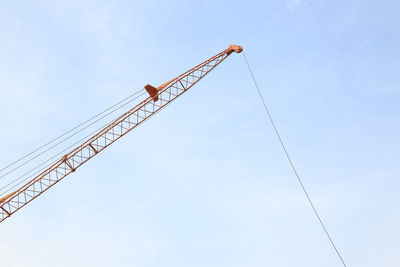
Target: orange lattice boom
(159,97)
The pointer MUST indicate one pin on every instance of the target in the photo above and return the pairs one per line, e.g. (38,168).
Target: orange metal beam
(158,99)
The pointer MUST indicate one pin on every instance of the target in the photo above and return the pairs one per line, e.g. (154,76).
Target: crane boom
(158,98)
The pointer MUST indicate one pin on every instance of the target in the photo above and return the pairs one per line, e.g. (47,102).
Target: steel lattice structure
(69,163)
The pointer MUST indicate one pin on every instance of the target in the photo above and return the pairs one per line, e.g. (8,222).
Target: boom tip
(236,48)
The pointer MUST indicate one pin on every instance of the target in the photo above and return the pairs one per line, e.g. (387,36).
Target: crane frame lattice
(109,134)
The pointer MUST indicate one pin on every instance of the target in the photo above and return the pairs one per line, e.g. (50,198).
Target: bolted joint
(65,160)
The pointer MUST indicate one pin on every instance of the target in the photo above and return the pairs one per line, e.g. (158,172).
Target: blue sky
(205,182)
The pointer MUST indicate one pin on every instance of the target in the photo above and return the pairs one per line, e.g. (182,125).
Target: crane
(158,98)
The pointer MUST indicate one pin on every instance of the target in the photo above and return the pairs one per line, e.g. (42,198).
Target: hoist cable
(77,141)
(64,134)
(112,111)
(292,164)
(57,155)
(46,161)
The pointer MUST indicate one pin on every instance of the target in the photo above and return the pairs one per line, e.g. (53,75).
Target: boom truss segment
(69,163)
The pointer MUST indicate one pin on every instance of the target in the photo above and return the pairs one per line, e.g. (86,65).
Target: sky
(205,182)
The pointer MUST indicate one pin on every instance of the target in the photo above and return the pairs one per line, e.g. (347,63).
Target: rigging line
(62,135)
(292,164)
(44,151)
(77,141)
(44,162)
(53,157)
(2,194)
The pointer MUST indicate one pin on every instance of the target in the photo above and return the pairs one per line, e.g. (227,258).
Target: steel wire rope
(64,134)
(71,146)
(305,191)
(44,162)
(19,178)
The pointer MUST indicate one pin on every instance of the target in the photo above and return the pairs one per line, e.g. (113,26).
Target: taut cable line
(2,193)
(271,120)
(60,136)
